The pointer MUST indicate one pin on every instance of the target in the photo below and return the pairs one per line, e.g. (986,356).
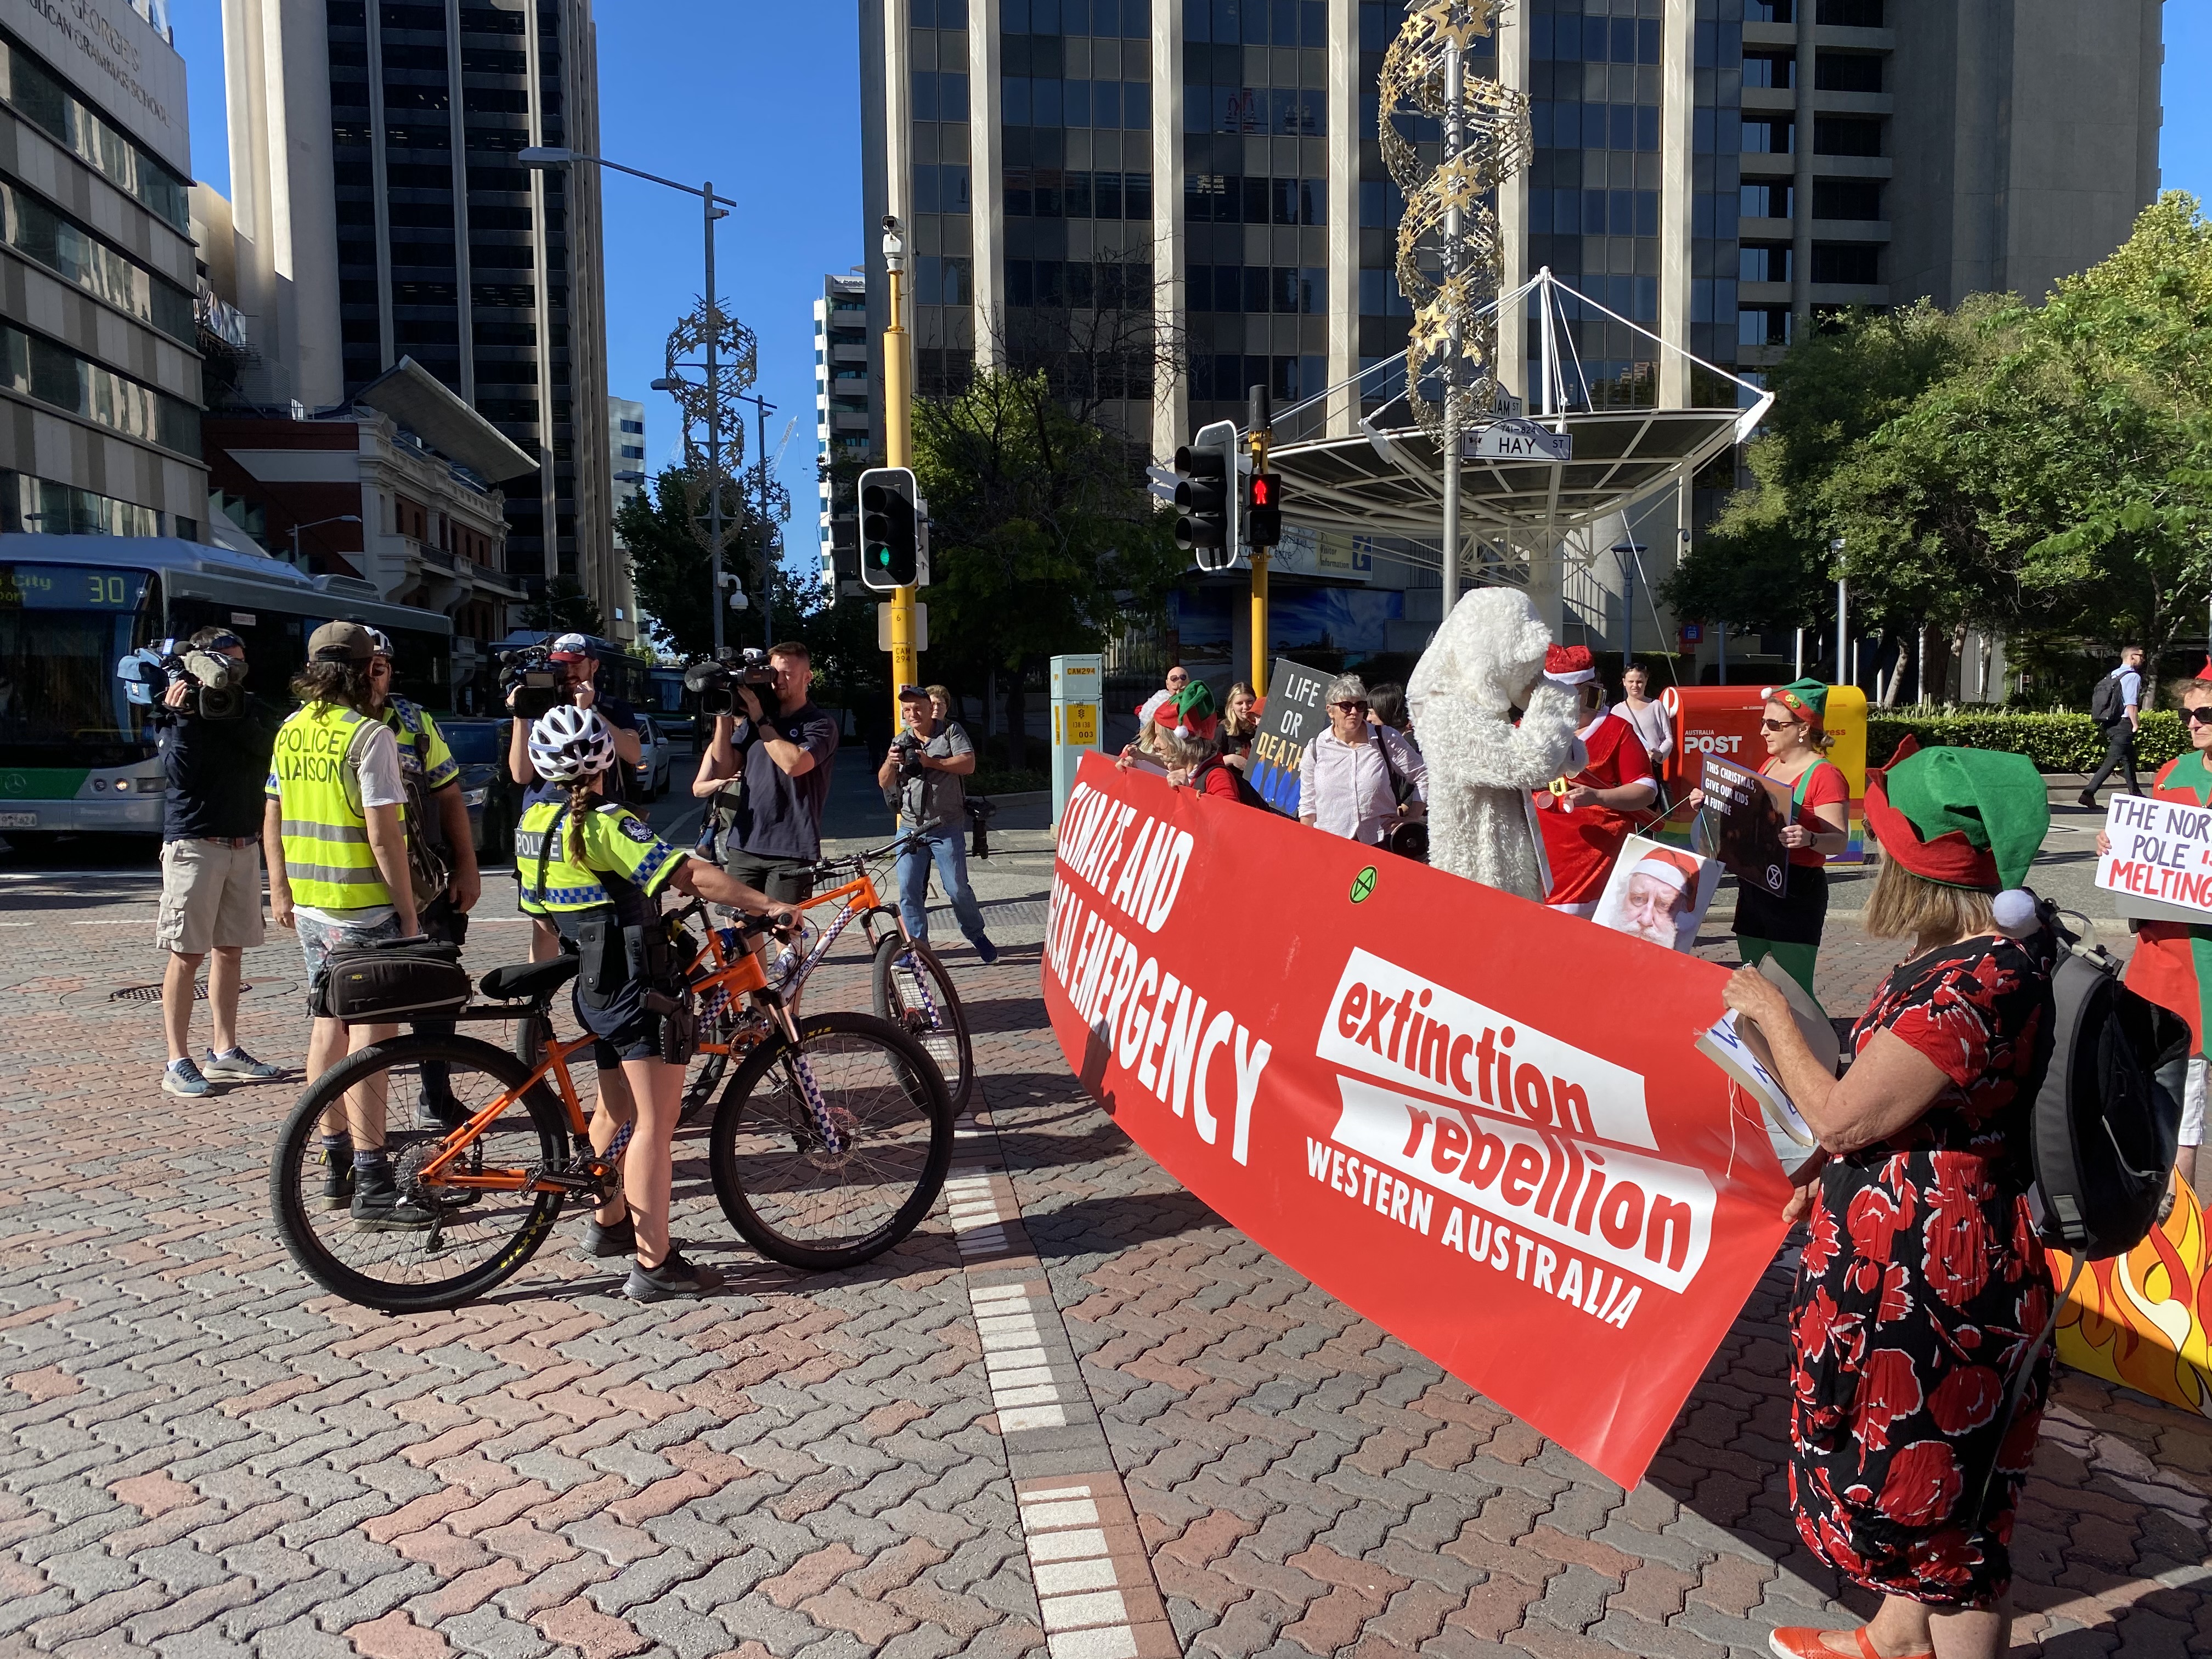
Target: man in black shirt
(769,805)
(211,869)
(572,654)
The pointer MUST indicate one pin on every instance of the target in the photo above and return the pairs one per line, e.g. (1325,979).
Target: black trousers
(2119,753)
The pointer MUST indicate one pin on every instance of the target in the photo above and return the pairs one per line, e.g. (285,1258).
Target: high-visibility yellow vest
(625,864)
(327,858)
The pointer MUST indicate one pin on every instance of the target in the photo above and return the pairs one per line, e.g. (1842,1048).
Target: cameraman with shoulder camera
(570,658)
(768,772)
(210,860)
(920,778)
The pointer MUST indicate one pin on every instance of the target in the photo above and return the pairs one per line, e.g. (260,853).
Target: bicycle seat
(528,981)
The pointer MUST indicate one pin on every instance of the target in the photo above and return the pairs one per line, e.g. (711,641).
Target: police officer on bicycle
(595,870)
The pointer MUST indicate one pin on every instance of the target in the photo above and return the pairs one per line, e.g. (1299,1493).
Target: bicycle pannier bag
(422,980)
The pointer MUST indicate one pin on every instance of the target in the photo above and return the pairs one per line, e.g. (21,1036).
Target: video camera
(217,681)
(537,682)
(715,681)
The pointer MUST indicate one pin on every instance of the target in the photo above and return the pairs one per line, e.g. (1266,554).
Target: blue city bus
(76,756)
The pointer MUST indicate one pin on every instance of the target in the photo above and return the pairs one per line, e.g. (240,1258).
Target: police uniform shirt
(624,863)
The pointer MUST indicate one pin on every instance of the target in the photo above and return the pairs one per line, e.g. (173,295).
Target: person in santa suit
(1586,817)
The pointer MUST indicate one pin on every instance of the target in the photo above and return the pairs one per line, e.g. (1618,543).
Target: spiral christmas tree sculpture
(1449,256)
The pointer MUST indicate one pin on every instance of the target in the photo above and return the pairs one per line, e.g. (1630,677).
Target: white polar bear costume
(1483,662)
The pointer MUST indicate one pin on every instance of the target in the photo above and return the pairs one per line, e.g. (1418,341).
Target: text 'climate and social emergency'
(1158,1025)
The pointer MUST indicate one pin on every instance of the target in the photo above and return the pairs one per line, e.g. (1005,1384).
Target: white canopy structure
(1530,520)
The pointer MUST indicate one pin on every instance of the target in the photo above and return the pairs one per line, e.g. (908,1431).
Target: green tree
(663,528)
(2044,470)
(1765,563)
(1042,537)
(564,608)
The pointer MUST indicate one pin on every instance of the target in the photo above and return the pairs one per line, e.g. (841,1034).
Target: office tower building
(100,366)
(382,213)
(1719,172)
(625,450)
(842,405)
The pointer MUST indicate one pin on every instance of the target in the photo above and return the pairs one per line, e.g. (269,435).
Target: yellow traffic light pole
(898,415)
(1259,436)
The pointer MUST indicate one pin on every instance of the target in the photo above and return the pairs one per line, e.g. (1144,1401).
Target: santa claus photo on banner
(1658,893)
(1586,817)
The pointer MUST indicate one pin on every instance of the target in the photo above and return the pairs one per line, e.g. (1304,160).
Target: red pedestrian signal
(1263,523)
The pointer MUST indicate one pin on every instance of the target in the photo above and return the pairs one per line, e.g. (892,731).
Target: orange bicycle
(828,1147)
(909,986)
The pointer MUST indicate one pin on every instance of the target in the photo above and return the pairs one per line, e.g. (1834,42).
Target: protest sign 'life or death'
(1292,719)
(2160,850)
(1419,1092)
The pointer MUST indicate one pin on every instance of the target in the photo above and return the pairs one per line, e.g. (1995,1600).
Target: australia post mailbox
(1723,720)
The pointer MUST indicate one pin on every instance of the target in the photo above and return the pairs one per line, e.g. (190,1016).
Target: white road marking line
(1064,1512)
(1074,1544)
(1104,1642)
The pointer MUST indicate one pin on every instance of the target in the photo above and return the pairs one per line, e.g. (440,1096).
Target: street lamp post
(762,409)
(1630,555)
(316,524)
(1843,619)
(714,207)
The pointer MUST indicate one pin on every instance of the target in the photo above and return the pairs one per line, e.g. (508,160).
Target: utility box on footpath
(1077,684)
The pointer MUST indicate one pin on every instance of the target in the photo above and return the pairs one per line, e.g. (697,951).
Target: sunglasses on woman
(1348,707)
(2199,715)
(1772,724)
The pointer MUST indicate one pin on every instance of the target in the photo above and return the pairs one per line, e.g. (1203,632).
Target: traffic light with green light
(891,529)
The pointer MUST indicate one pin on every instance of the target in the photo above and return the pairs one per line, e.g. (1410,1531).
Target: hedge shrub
(2057,742)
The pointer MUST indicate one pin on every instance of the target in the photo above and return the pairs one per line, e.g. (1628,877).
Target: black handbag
(1408,837)
(413,979)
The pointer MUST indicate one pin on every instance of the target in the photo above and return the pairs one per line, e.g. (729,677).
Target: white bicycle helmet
(568,745)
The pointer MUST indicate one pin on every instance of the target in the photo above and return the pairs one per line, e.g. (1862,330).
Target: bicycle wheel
(790,1197)
(914,991)
(477,1237)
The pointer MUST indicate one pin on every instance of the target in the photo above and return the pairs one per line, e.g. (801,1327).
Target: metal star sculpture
(1447,271)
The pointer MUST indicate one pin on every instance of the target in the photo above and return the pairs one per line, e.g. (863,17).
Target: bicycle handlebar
(852,860)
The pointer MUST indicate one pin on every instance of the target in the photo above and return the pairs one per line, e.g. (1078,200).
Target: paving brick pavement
(203,1455)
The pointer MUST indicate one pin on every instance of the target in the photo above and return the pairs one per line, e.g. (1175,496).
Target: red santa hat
(2205,672)
(1569,665)
(1677,870)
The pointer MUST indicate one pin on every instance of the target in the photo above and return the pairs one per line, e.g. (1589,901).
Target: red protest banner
(1478,1122)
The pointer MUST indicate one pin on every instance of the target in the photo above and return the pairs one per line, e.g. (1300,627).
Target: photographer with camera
(920,780)
(768,772)
(573,677)
(336,834)
(216,760)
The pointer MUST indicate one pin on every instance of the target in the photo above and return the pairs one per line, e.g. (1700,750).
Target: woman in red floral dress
(1923,1290)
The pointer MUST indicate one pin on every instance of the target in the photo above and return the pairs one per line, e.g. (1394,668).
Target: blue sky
(763,97)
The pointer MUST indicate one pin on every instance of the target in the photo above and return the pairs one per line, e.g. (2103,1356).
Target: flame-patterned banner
(2145,1319)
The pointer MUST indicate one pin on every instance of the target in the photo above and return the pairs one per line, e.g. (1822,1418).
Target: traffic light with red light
(1263,519)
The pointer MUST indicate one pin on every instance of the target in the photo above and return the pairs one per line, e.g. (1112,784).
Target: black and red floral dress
(1921,1288)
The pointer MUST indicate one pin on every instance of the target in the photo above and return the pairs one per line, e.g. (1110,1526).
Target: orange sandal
(1803,1642)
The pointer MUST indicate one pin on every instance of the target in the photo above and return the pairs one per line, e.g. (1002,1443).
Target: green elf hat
(1190,713)
(1806,699)
(1962,817)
